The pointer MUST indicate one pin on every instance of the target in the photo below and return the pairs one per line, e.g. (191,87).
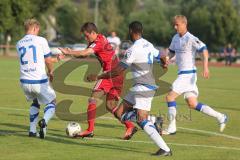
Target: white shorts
(42,92)
(140,97)
(186,84)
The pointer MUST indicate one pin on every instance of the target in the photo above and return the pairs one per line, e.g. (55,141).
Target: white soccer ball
(73,128)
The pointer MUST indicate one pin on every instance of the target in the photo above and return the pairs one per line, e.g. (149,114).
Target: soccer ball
(73,128)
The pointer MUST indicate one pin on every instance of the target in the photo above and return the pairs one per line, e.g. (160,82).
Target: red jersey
(104,52)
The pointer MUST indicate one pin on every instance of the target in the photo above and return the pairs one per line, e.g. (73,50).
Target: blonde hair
(182,18)
(30,23)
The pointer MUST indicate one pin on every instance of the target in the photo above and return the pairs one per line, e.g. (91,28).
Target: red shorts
(111,87)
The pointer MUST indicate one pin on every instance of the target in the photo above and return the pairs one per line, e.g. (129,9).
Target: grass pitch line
(181,128)
(145,142)
(174,144)
(210,132)
(193,130)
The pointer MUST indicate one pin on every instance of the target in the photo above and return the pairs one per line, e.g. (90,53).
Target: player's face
(90,37)
(180,26)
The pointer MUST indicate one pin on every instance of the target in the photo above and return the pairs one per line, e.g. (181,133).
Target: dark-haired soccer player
(100,46)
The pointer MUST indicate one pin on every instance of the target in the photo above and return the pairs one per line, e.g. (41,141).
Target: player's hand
(92,77)
(50,75)
(66,51)
(165,61)
(206,73)
(60,57)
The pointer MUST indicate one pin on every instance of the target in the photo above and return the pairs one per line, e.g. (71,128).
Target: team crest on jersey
(198,41)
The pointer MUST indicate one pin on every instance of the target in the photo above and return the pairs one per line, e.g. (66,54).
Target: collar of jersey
(183,35)
(137,40)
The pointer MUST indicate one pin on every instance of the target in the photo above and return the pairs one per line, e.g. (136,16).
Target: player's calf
(34,112)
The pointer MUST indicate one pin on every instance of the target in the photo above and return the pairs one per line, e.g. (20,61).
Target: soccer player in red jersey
(104,52)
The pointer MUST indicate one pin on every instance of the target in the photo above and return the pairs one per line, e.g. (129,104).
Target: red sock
(129,124)
(91,112)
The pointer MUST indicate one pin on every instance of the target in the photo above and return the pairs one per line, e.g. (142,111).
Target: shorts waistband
(27,81)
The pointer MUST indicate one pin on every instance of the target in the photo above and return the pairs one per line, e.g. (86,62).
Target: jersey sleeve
(155,52)
(171,48)
(118,41)
(128,58)
(46,49)
(199,45)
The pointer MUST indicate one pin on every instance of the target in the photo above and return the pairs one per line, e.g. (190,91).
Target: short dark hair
(136,27)
(89,27)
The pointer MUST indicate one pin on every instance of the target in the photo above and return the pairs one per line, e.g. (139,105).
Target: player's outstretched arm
(84,53)
(58,58)
(205,73)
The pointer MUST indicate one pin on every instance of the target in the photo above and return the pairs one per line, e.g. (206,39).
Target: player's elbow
(48,60)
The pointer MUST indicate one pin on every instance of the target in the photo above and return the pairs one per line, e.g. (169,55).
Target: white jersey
(32,50)
(114,40)
(185,49)
(140,58)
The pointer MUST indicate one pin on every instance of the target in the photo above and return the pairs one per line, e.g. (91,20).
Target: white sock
(172,112)
(34,112)
(150,129)
(49,112)
(209,111)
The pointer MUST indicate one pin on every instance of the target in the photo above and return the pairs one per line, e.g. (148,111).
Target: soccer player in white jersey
(184,45)
(34,54)
(137,103)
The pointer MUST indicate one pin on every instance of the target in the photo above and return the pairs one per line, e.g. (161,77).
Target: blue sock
(199,107)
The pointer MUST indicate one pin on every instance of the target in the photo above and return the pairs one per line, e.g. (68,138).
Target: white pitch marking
(182,128)
(145,142)
(210,132)
(175,144)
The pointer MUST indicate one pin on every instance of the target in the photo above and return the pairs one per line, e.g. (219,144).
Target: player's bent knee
(141,116)
(192,104)
(35,104)
(54,102)
(169,98)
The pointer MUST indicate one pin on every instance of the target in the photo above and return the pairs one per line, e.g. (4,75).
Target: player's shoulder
(175,37)
(100,38)
(195,39)
(99,41)
(40,38)
(191,36)
(141,42)
(18,42)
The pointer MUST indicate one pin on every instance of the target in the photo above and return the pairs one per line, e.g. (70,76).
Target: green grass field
(197,138)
